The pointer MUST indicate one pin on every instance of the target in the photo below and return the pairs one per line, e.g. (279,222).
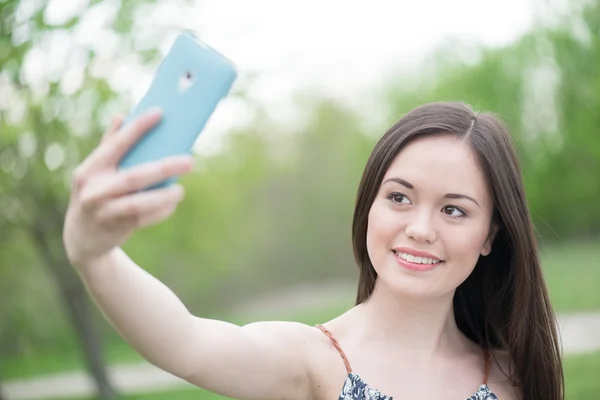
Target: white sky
(344,44)
(337,47)
(342,47)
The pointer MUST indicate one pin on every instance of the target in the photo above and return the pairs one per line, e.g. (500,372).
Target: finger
(94,160)
(111,152)
(135,178)
(136,208)
(131,133)
(115,125)
(155,217)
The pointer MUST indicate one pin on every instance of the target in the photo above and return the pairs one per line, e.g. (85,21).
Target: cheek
(382,228)
(463,249)
(466,247)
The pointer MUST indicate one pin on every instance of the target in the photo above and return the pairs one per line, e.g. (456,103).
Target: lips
(416,260)
(416,253)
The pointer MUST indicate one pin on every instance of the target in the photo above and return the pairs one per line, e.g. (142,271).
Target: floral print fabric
(356,389)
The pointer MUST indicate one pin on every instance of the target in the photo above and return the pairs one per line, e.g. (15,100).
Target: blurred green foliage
(266,212)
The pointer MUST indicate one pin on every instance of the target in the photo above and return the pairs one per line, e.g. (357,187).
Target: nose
(420,227)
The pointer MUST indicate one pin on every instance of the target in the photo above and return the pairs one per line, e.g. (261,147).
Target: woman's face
(430,220)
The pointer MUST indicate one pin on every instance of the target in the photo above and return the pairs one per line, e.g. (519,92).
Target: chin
(406,287)
(400,282)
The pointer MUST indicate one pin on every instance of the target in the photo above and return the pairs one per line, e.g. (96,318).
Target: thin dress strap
(487,366)
(337,346)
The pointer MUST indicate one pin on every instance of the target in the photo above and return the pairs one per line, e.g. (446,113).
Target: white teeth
(417,260)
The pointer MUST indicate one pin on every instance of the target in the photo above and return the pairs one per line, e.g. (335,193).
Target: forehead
(443,162)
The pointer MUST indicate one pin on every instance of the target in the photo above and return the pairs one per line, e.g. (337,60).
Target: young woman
(451,300)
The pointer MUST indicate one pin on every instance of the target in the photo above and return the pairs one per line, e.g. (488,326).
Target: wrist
(88,267)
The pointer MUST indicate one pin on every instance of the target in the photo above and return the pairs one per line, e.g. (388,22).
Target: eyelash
(392,195)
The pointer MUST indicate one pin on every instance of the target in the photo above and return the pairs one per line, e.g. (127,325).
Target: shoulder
(307,343)
(293,337)
(313,350)
(499,382)
(289,332)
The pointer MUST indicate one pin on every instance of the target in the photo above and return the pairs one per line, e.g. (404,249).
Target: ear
(487,246)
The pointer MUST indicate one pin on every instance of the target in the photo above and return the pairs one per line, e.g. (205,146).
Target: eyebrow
(447,196)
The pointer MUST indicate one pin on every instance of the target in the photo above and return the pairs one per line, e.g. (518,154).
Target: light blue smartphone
(188,85)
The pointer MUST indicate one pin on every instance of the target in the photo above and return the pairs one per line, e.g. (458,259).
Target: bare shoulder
(289,332)
(282,350)
(295,330)
(292,333)
(499,380)
(307,343)
(296,338)
(312,349)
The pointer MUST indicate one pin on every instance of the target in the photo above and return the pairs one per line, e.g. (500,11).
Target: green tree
(55,101)
(546,86)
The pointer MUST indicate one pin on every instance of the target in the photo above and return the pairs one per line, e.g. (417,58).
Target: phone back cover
(184,112)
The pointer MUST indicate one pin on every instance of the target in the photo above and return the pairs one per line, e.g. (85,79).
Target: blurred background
(264,231)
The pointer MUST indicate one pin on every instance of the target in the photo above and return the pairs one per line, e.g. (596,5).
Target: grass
(581,376)
(572,272)
(116,351)
(179,395)
(184,394)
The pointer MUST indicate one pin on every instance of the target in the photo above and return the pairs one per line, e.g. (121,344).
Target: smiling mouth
(416,259)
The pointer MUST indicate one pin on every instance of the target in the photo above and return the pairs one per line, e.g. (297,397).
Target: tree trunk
(48,239)
(78,305)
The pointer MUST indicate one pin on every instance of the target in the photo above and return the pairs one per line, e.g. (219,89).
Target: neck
(422,327)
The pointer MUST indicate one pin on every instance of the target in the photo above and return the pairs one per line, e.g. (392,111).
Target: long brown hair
(504,303)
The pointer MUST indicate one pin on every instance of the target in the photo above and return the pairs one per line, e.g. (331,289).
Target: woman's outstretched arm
(257,361)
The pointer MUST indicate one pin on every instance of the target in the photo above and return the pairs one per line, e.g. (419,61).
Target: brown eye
(398,198)
(454,211)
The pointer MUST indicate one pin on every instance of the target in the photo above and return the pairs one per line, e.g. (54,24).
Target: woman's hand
(107,204)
